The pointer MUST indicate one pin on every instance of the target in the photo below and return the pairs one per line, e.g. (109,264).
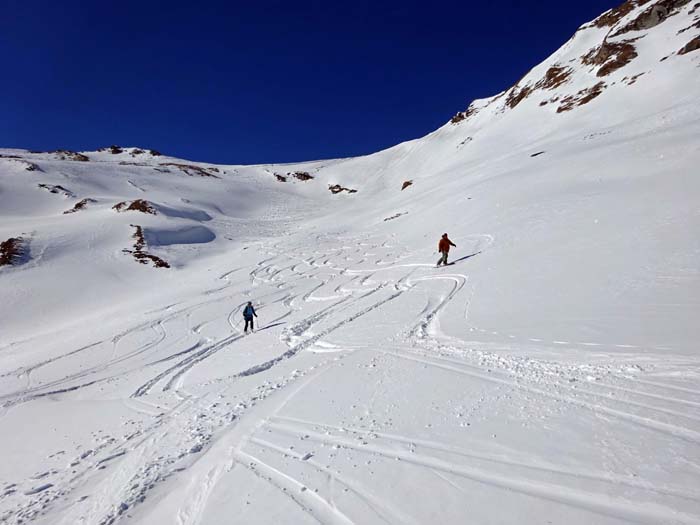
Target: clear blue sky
(261,81)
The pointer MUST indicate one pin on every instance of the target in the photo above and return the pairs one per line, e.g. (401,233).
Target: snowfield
(550,375)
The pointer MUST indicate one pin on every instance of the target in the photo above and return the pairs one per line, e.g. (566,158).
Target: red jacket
(444,244)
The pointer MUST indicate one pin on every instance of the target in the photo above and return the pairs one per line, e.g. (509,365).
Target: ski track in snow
(125,470)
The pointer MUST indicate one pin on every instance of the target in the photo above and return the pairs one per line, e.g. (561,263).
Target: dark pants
(443,258)
(248,320)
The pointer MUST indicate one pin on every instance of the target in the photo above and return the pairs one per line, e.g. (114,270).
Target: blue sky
(264,81)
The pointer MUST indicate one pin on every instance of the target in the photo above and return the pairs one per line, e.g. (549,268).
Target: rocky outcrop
(613,16)
(554,77)
(611,56)
(653,16)
(337,188)
(301,175)
(192,170)
(12,251)
(139,252)
(406,184)
(64,154)
(138,205)
(81,205)
(693,45)
(582,97)
(56,189)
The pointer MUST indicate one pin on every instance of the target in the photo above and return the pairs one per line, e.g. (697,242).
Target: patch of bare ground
(653,16)
(612,17)
(464,115)
(396,216)
(81,205)
(582,97)
(138,205)
(140,254)
(301,175)
(611,56)
(56,189)
(693,45)
(11,251)
(280,178)
(64,154)
(517,95)
(193,171)
(549,101)
(554,77)
(337,188)
(696,25)
(631,80)
(406,184)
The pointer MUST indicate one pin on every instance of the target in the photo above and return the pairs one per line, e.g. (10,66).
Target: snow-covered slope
(549,375)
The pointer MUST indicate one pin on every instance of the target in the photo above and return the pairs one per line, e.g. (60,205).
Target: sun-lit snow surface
(549,376)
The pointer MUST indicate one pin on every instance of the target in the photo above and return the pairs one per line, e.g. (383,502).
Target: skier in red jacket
(444,248)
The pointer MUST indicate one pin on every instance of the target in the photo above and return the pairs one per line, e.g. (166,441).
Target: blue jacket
(249,312)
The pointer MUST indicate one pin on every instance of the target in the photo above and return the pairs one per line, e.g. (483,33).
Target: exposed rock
(138,205)
(337,188)
(464,115)
(11,251)
(538,154)
(79,206)
(155,153)
(406,184)
(280,178)
(611,56)
(301,175)
(192,170)
(653,16)
(64,154)
(516,96)
(56,189)
(693,45)
(582,97)
(696,25)
(139,252)
(396,216)
(631,80)
(554,77)
(612,17)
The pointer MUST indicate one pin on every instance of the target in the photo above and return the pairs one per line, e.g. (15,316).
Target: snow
(549,375)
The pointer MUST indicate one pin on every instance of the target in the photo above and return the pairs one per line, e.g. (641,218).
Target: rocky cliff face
(611,52)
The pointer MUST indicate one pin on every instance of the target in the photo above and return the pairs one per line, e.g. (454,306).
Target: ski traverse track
(212,407)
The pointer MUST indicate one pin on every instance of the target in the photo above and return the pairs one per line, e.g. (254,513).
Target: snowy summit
(549,373)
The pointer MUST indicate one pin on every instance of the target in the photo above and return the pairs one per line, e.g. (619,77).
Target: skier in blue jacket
(248,313)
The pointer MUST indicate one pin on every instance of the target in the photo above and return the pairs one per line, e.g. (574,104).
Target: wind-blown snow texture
(549,376)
